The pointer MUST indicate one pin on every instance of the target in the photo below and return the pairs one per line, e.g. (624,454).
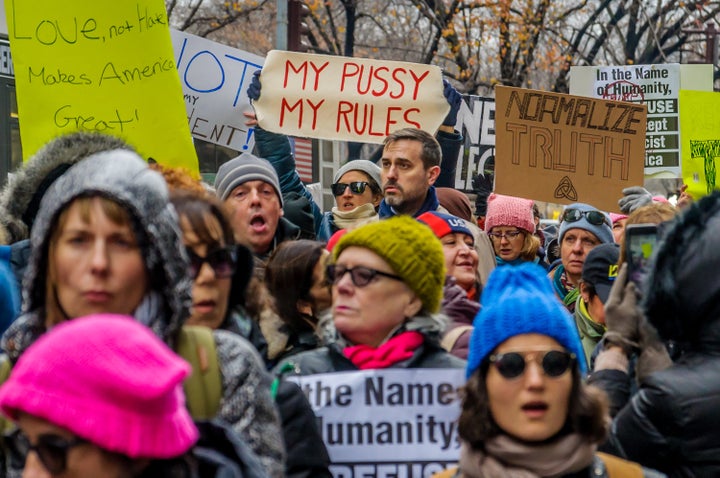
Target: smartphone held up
(640,243)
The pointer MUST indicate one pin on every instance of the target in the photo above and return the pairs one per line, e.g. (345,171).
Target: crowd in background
(135,276)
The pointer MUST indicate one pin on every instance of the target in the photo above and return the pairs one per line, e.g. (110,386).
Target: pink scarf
(397,349)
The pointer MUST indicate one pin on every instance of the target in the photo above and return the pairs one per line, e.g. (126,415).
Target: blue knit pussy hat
(520,300)
(602,231)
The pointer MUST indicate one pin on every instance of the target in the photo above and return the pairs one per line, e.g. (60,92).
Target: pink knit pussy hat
(614,217)
(107,379)
(509,211)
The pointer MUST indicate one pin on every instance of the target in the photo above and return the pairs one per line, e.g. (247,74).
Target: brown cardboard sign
(565,149)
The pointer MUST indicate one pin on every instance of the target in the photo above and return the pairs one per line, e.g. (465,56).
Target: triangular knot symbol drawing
(566,190)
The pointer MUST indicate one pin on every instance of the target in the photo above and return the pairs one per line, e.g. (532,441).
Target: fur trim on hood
(123,177)
(682,293)
(20,198)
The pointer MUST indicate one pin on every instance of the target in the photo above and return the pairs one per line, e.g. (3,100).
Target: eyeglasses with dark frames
(222,261)
(52,450)
(511,365)
(596,218)
(360,276)
(356,187)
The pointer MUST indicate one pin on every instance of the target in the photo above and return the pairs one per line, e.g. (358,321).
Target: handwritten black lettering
(128,75)
(579,112)
(64,118)
(58,77)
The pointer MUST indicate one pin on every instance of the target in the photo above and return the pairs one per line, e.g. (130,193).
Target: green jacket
(590,331)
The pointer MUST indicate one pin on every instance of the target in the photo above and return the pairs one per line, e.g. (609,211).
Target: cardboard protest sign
(214,80)
(351,99)
(564,149)
(656,86)
(700,127)
(390,422)
(99,66)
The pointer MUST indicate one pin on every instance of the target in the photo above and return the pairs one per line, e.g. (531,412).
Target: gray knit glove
(653,356)
(622,314)
(633,198)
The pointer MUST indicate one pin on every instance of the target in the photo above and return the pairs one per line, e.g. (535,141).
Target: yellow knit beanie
(410,248)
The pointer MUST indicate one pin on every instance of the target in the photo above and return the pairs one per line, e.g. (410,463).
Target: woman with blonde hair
(510,224)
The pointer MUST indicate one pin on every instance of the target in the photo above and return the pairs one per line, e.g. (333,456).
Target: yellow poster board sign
(564,149)
(99,66)
(700,141)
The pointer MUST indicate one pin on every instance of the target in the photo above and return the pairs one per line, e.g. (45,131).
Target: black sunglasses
(596,218)
(360,276)
(512,364)
(52,450)
(222,261)
(356,187)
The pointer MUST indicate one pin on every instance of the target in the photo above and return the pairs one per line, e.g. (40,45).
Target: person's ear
(304,307)
(584,292)
(377,199)
(432,174)
(413,307)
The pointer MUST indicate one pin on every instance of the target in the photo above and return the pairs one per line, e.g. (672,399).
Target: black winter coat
(673,423)
(307,456)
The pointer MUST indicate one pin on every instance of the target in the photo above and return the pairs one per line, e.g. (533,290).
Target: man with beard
(250,189)
(410,165)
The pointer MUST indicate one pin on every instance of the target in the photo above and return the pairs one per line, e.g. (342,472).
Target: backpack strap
(6,425)
(619,468)
(449,340)
(203,388)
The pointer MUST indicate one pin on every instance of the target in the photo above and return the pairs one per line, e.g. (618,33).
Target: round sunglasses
(511,365)
(356,187)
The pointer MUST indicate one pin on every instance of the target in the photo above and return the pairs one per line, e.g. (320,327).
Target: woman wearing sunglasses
(387,286)
(510,224)
(525,409)
(356,187)
(582,227)
(106,240)
(107,402)
(221,272)
(220,269)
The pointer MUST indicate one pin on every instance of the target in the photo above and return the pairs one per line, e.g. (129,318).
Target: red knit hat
(509,211)
(335,238)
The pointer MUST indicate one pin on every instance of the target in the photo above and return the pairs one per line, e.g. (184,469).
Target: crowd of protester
(134,277)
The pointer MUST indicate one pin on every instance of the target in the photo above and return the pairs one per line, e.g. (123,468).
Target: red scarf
(397,349)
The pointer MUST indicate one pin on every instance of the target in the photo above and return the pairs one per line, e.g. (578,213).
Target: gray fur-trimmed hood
(123,177)
(20,198)
(682,292)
